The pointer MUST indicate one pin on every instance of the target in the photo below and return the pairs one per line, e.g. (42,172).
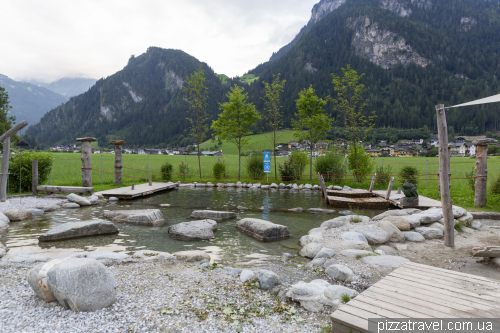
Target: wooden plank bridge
(420,291)
(138,191)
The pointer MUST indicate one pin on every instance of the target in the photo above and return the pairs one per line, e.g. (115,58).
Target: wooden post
(86,161)
(34,177)
(481,170)
(389,189)
(444,177)
(118,160)
(373,182)
(5,169)
(133,186)
(150,182)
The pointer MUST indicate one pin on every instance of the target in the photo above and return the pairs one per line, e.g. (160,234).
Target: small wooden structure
(361,198)
(64,189)
(118,160)
(86,157)
(138,190)
(5,138)
(420,291)
(481,170)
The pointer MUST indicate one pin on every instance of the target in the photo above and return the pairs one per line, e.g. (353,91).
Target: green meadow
(66,172)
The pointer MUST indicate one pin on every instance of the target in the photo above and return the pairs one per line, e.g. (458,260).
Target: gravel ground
(163,297)
(27,202)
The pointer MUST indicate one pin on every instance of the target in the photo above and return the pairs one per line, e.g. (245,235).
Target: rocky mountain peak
(323,8)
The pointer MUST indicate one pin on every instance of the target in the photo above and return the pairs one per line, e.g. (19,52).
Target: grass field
(223,77)
(249,78)
(257,142)
(66,171)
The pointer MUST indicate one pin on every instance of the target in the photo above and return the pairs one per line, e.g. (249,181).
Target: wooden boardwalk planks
(138,191)
(420,291)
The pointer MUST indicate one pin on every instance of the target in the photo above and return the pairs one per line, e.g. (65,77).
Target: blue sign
(267,161)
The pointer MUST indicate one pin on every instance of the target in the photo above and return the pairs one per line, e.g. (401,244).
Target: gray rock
(113,199)
(316,188)
(339,273)
(282,185)
(346,212)
(231,270)
(239,184)
(395,234)
(437,225)
(150,255)
(330,262)
(316,262)
(99,195)
(355,245)
(411,211)
(286,256)
(241,208)
(4,226)
(298,209)
(346,188)
(204,265)
(335,223)
(78,230)
(262,230)
(107,255)
(213,215)
(18,214)
(336,188)
(458,212)
(230,185)
(354,253)
(399,222)
(34,211)
(79,200)
(374,235)
(4,218)
(320,211)
(325,253)
(79,284)
(335,292)
(383,262)
(264,187)
(401,247)
(246,274)
(51,208)
(355,236)
(413,236)
(267,279)
(311,296)
(149,217)
(196,230)
(24,257)
(3,251)
(311,238)
(467,218)
(430,233)
(476,225)
(71,205)
(310,250)
(94,200)
(316,230)
(191,256)
(395,212)
(387,250)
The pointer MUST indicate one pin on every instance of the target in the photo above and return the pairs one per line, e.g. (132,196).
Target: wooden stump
(86,161)
(118,160)
(481,170)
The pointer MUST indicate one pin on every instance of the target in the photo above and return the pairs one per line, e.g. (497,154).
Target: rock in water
(213,215)
(78,230)
(79,284)
(196,230)
(35,211)
(267,279)
(18,214)
(78,199)
(150,217)
(190,256)
(320,211)
(262,230)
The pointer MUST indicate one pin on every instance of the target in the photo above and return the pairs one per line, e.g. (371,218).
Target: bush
(183,169)
(293,168)
(166,170)
(495,188)
(471,181)
(219,170)
(365,163)
(331,166)
(408,173)
(255,165)
(383,175)
(44,166)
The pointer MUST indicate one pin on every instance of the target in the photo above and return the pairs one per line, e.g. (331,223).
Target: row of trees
(311,124)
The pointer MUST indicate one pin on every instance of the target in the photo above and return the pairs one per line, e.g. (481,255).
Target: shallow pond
(229,244)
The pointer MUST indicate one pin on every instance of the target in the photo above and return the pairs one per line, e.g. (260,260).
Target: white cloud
(47,40)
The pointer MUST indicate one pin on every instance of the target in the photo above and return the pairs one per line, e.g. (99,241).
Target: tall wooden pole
(118,160)
(34,177)
(444,177)
(86,157)
(481,170)
(5,169)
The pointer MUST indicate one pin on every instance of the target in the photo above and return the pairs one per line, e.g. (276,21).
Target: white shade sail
(491,99)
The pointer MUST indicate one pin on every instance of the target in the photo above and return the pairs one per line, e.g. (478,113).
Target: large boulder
(325,253)
(94,200)
(467,218)
(82,201)
(191,256)
(430,233)
(4,218)
(79,284)
(35,211)
(384,262)
(353,236)
(340,273)
(4,226)
(149,217)
(268,279)
(213,215)
(395,212)
(51,208)
(262,230)
(375,235)
(311,238)
(316,262)
(395,234)
(351,253)
(335,223)
(18,214)
(310,250)
(196,230)
(246,274)
(413,236)
(387,250)
(399,222)
(355,245)
(24,257)
(78,230)
(316,230)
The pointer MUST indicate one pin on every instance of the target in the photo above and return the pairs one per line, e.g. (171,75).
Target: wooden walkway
(419,291)
(424,202)
(139,190)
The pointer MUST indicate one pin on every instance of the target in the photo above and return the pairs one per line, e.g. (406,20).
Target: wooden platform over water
(140,190)
(419,291)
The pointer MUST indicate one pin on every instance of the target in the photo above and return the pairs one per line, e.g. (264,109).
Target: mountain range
(67,86)
(414,54)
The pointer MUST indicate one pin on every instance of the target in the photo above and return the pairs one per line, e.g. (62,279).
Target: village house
(402,152)
(374,152)
(387,150)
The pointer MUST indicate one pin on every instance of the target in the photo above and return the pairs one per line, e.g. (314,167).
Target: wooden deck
(424,202)
(354,193)
(140,190)
(420,291)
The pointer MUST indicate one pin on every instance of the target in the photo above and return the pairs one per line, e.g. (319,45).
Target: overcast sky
(50,39)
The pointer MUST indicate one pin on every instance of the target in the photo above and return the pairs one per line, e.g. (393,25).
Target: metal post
(20,174)
(427,173)
(185,163)
(148,166)
(101,169)
(50,179)
(382,164)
